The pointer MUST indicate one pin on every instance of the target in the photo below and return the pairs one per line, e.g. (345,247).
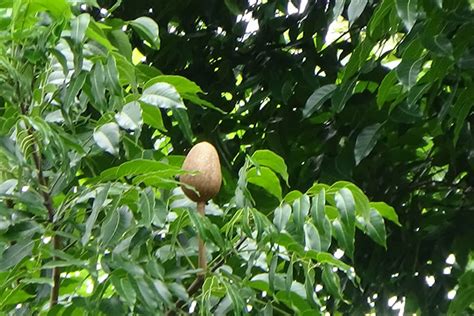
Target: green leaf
(309,279)
(346,206)
(342,95)
(407,11)
(148,30)
(115,226)
(146,292)
(266,179)
(123,287)
(269,159)
(79,26)
(137,167)
(130,117)
(58,8)
(147,207)
(355,9)
(337,9)
(312,239)
(235,297)
(408,70)
(417,93)
(184,124)
(107,137)
(463,299)
(97,80)
(99,200)
(292,195)
(386,211)
(343,237)
(366,141)
(324,257)
(387,88)
(163,95)
(152,116)
(112,76)
(300,211)
(15,254)
(379,16)
(320,219)
(183,85)
(75,85)
(120,40)
(358,58)
(461,110)
(316,100)
(282,216)
(375,228)
(331,282)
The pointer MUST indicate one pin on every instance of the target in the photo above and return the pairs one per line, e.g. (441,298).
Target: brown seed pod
(203,159)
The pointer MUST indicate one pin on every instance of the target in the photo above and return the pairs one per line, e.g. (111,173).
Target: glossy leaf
(376,228)
(386,211)
(265,178)
(130,117)
(312,238)
(162,95)
(300,211)
(148,30)
(407,11)
(79,26)
(107,137)
(269,159)
(320,219)
(407,72)
(317,98)
(282,216)
(355,9)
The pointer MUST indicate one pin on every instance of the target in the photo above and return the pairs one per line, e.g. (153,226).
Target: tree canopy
(344,130)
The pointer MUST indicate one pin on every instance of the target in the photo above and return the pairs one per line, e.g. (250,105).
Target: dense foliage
(99,105)
(382,98)
(92,217)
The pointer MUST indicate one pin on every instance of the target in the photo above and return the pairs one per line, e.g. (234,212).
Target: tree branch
(48,203)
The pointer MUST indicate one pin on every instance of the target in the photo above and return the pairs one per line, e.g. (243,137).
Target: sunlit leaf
(408,11)
(130,117)
(148,30)
(107,137)
(266,179)
(355,9)
(273,161)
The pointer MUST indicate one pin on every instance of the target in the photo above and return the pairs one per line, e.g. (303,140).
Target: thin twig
(199,281)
